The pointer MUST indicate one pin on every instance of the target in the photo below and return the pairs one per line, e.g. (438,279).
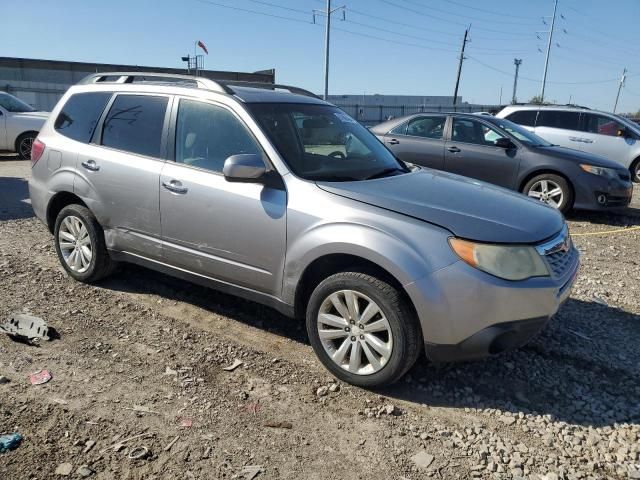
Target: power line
(501,14)
(246,10)
(459,15)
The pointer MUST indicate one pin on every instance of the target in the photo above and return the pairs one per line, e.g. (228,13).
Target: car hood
(577,156)
(468,208)
(35,115)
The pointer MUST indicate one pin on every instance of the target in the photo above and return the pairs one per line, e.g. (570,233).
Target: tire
(23,145)
(400,335)
(635,171)
(535,188)
(82,267)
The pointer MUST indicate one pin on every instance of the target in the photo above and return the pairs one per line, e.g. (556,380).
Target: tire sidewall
(21,139)
(395,367)
(567,200)
(84,215)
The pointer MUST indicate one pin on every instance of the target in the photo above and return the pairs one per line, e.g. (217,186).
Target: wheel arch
(57,203)
(632,167)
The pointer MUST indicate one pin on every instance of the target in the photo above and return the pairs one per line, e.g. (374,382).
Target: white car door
(560,128)
(600,137)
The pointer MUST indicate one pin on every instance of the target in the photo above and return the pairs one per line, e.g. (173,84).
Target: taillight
(37,149)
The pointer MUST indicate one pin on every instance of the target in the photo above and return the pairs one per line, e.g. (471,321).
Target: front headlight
(511,262)
(601,171)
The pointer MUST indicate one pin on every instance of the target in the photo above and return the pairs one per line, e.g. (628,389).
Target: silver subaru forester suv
(283,199)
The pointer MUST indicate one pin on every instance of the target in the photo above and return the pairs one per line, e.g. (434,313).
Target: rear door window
(79,116)
(558,119)
(523,117)
(427,127)
(134,124)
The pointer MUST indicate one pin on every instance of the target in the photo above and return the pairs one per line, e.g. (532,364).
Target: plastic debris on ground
(10,441)
(27,328)
(38,378)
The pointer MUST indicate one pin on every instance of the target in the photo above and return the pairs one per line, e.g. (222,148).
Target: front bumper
(599,193)
(467,314)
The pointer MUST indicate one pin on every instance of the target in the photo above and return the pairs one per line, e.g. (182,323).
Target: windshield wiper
(331,178)
(384,173)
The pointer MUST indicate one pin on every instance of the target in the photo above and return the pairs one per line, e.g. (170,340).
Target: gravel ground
(142,355)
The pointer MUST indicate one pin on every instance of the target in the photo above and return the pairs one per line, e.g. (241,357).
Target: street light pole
(327,38)
(517,62)
(464,44)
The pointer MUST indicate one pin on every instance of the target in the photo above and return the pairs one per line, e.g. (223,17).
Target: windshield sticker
(344,118)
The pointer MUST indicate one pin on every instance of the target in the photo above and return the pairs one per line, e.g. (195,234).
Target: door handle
(453,149)
(91,165)
(175,186)
(394,141)
(587,140)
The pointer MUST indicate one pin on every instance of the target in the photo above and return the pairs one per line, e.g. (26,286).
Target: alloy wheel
(354,332)
(547,191)
(75,244)
(24,149)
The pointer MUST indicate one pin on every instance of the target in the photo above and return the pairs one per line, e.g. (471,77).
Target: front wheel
(552,190)
(362,329)
(635,171)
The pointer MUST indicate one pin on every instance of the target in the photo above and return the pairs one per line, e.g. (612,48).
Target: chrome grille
(559,253)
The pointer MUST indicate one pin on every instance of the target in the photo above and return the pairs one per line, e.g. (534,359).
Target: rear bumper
(39,199)
(467,314)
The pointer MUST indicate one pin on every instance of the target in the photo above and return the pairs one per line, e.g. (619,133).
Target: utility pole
(464,44)
(327,36)
(517,62)
(546,60)
(622,79)
(500,100)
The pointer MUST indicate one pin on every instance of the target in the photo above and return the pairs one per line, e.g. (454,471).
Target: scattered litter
(27,328)
(170,371)
(119,445)
(141,409)
(89,444)
(59,401)
(206,453)
(185,421)
(322,391)
(38,378)
(4,380)
(84,471)
(236,363)
(170,444)
(334,387)
(138,453)
(600,301)
(251,471)
(422,459)
(275,424)
(10,441)
(64,469)
(578,334)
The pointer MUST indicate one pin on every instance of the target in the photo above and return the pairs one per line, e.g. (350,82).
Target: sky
(404,47)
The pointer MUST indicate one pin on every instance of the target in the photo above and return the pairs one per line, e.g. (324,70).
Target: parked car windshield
(321,142)
(522,134)
(13,104)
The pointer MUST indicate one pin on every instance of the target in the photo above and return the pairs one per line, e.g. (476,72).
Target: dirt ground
(142,355)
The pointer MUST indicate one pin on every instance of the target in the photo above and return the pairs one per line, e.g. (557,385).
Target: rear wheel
(362,329)
(550,189)
(80,245)
(24,144)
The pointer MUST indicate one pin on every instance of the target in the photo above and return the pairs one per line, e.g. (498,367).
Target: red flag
(203,47)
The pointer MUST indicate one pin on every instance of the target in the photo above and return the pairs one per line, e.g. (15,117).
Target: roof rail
(130,77)
(571,105)
(269,86)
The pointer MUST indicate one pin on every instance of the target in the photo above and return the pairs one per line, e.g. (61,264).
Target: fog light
(602,199)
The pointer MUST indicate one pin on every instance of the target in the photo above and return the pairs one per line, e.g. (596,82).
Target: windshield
(522,134)
(321,142)
(13,104)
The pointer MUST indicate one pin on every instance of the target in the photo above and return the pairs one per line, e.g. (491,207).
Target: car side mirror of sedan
(504,142)
(246,167)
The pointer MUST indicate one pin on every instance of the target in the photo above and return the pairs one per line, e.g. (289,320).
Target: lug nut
(360,326)
(347,329)
(361,337)
(353,339)
(352,322)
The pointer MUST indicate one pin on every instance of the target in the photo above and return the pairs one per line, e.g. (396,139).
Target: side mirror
(247,168)
(504,142)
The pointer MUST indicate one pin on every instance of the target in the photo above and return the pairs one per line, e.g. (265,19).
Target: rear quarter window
(559,119)
(79,116)
(523,117)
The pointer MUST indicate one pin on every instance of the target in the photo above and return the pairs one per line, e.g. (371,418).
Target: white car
(19,125)
(601,133)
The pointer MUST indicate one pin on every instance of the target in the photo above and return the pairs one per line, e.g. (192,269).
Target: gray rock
(422,459)
(64,469)
(4,380)
(84,471)
(322,391)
